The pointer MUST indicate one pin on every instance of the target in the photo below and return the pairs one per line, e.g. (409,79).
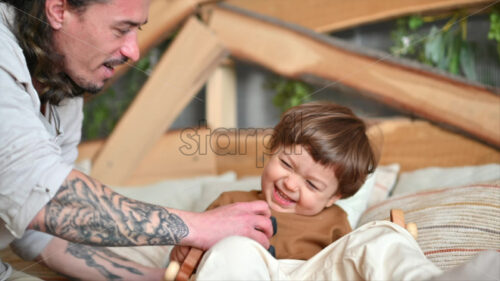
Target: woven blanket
(454,224)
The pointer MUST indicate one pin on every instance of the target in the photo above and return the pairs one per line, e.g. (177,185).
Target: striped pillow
(454,224)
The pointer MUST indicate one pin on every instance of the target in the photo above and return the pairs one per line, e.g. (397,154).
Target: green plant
(443,47)
(494,32)
(288,93)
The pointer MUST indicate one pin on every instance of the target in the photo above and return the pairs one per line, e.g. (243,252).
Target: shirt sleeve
(341,225)
(31,164)
(70,112)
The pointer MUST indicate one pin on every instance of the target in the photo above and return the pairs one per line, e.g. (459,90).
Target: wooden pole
(331,15)
(297,52)
(179,75)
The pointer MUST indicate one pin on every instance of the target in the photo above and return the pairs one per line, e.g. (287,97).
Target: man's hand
(250,219)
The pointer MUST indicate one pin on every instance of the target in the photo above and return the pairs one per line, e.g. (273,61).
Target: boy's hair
(333,136)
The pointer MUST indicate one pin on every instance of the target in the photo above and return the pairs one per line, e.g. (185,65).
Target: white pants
(375,251)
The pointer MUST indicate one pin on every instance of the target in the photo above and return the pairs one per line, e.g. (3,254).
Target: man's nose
(130,48)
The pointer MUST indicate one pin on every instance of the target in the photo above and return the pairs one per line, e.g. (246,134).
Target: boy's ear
(54,10)
(333,199)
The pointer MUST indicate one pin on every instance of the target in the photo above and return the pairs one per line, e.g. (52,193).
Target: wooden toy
(398,217)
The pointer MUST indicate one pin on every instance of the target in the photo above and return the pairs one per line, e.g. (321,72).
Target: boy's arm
(341,225)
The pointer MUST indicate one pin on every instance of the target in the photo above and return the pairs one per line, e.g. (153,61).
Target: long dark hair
(34,35)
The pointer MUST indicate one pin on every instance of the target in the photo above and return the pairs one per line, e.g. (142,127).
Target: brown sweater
(298,237)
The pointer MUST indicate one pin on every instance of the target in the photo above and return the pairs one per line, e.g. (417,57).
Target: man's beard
(83,87)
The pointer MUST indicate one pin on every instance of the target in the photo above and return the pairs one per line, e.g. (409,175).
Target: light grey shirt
(37,151)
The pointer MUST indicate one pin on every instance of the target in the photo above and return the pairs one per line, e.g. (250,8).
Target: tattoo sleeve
(85,211)
(96,257)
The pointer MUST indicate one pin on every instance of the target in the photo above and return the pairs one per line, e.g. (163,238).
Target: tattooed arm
(82,262)
(86,211)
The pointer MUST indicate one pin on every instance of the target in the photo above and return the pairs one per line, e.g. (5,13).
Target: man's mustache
(116,62)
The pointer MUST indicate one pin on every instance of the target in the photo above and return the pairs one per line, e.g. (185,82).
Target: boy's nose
(291,182)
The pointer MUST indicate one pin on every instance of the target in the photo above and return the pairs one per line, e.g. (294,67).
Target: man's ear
(55,9)
(333,199)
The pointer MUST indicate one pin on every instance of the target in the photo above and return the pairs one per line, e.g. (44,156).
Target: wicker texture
(454,224)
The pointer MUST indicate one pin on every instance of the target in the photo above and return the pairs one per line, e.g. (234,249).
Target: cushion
(183,194)
(435,177)
(375,189)
(385,180)
(454,224)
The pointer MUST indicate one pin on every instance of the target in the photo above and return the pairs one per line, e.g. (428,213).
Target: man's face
(292,182)
(95,41)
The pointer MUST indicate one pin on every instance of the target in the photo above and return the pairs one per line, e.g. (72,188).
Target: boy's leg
(240,258)
(375,251)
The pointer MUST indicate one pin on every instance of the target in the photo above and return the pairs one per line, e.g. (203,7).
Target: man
(51,51)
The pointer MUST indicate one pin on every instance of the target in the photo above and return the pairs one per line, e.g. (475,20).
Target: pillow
(355,205)
(385,179)
(182,194)
(454,224)
(375,189)
(432,178)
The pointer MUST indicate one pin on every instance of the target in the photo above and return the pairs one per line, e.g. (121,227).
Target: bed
(447,184)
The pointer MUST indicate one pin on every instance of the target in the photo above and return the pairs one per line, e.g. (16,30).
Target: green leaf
(467,61)
(454,53)
(144,63)
(434,46)
(415,22)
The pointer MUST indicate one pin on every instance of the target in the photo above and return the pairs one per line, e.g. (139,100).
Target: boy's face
(292,182)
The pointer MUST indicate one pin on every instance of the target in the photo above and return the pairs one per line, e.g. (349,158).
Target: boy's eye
(285,163)
(311,184)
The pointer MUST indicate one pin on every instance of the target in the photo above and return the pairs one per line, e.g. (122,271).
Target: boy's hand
(179,253)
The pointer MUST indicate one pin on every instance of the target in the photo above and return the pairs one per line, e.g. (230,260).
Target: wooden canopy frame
(290,50)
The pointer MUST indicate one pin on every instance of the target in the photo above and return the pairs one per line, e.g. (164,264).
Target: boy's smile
(281,197)
(292,182)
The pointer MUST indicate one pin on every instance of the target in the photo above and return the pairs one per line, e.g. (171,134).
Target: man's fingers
(264,225)
(259,207)
(261,237)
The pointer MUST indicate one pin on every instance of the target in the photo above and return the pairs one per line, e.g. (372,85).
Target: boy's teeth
(284,195)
